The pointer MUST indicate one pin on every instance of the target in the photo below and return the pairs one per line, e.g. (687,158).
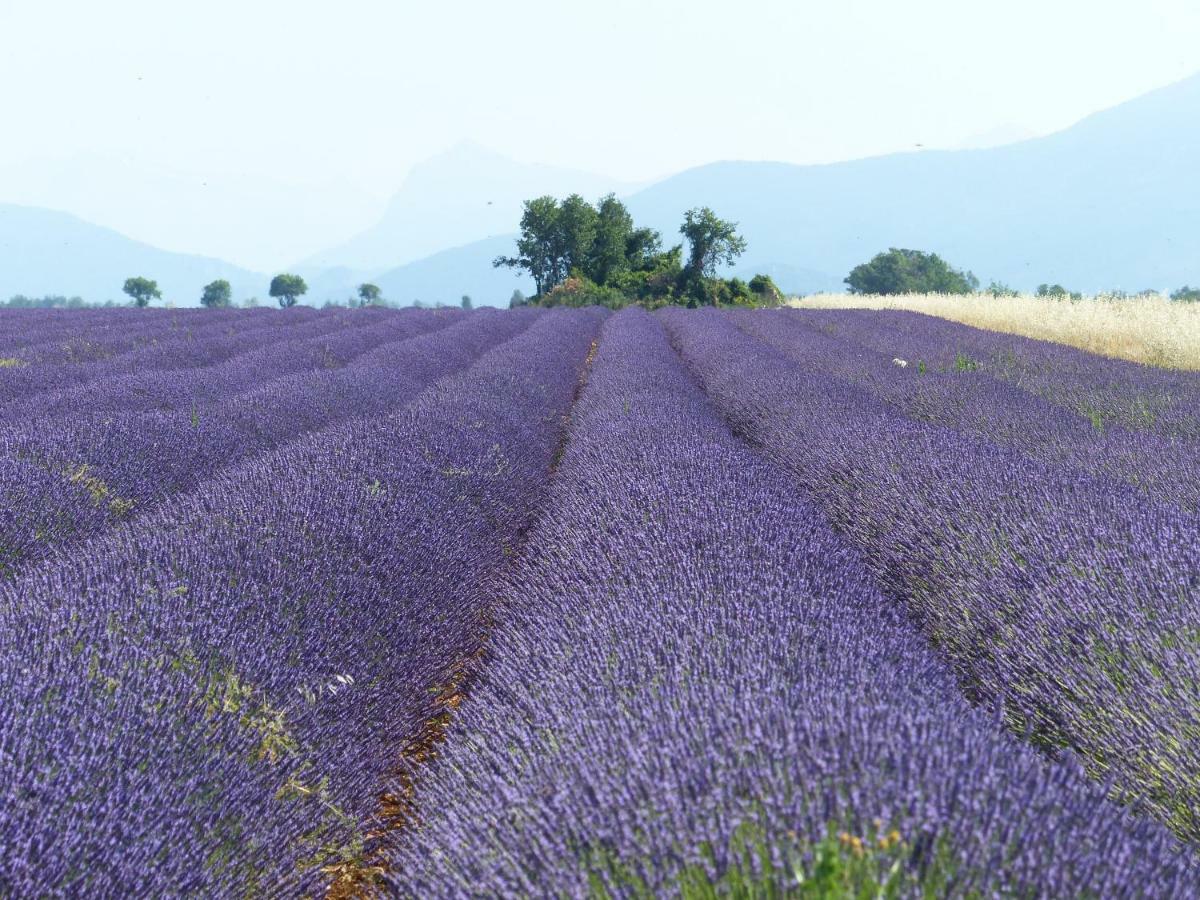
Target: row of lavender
(90,352)
(695,687)
(210,699)
(1105,391)
(68,476)
(967,398)
(38,336)
(1070,599)
(223,366)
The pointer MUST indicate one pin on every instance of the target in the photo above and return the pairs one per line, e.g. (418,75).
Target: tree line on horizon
(287,289)
(901,271)
(580,254)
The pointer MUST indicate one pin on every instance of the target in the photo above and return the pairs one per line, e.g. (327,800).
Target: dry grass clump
(1151,330)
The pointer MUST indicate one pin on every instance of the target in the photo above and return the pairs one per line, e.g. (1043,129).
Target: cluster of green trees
(579,254)
(218,294)
(900,271)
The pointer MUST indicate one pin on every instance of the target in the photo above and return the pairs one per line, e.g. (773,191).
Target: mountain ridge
(51,252)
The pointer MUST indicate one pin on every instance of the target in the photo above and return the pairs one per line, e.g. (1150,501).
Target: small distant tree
(217,294)
(368,294)
(901,271)
(467,303)
(250,303)
(287,288)
(1186,295)
(142,290)
(1000,289)
(517,299)
(1057,292)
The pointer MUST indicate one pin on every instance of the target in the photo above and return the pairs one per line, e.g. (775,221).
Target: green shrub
(902,271)
(580,291)
(878,864)
(766,291)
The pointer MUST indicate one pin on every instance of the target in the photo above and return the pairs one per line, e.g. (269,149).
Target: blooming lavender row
(72,477)
(1107,391)
(975,403)
(1070,599)
(53,336)
(210,701)
(327,342)
(686,655)
(95,337)
(205,345)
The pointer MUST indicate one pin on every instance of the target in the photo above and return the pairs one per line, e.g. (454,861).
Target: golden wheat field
(1151,330)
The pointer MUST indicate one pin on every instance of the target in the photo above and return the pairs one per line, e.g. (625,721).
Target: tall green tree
(142,290)
(217,294)
(901,271)
(576,233)
(712,241)
(608,256)
(287,289)
(368,294)
(539,247)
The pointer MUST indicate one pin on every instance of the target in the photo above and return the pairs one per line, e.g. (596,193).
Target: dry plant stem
(1150,330)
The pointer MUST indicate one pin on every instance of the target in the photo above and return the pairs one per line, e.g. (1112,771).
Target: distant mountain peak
(464,194)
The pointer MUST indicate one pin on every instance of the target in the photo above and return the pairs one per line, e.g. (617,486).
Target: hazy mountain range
(462,195)
(1111,202)
(249,220)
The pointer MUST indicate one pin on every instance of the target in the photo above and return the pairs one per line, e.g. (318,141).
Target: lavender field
(570,603)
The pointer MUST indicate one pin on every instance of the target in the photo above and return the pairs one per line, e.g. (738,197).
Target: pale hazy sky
(353,93)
